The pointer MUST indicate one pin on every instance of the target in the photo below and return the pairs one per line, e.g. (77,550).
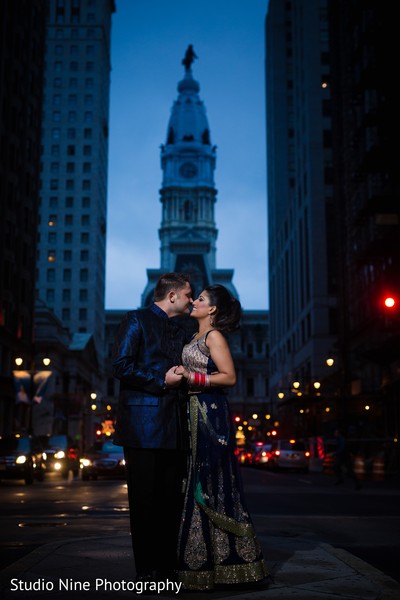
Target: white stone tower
(188,232)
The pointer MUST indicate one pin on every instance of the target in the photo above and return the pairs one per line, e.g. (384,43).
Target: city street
(365,522)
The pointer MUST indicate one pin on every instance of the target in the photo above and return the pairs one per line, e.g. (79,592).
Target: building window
(55,168)
(51,255)
(86,202)
(69,184)
(89,83)
(51,275)
(58,66)
(74,50)
(87,133)
(52,222)
(54,184)
(85,220)
(88,116)
(52,237)
(83,295)
(71,150)
(73,65)
(70,167)
(88,99)
(57,82)
(87,167)
(68,219)
(68,238)
(71,133)
(67,255)
(84,275)
(86,184)
(66,295)
(87,150)
(82,314)
(53,201)
(66,314)
(72,116)
(69,201)
(67,275)
(73,82)
(55,133)
(56,116)
(84,255)
(55,150)
(84,238)
(72,100)
(57,99)
(50,295)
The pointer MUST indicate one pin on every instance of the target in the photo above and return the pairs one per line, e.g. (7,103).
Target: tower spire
(188,231)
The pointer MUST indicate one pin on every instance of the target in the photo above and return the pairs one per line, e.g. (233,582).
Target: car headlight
(21,459)
(122,462)
(85,462)
(59,454)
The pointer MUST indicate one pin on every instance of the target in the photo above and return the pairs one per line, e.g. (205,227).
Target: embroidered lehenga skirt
(217,542)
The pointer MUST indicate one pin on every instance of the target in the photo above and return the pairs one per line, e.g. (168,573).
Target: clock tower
(188,231)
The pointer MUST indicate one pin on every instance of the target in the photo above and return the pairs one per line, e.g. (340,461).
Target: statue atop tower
(189,58)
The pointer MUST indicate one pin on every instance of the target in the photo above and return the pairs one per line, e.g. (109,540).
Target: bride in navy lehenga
(217,542)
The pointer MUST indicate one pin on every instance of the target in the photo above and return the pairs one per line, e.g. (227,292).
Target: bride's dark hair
(229,311)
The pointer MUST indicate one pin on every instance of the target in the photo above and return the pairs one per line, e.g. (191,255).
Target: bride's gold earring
(211,321)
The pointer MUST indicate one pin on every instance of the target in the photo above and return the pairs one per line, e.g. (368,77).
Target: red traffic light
(389,302)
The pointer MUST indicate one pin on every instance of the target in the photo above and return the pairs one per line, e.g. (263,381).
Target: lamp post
(30,387)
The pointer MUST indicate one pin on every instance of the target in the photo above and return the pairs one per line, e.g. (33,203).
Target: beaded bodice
(196,355)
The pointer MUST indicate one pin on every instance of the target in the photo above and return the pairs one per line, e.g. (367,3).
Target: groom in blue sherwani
(150,423)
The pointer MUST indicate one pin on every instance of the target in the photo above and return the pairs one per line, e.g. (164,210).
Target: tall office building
(72,229)
(22,39)
(301,216)
(363,48)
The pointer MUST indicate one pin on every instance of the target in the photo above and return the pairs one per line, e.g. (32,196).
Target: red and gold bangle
(199,379)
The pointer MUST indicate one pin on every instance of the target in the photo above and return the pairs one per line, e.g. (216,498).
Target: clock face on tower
(188,170)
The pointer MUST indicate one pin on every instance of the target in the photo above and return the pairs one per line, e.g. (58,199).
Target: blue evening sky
(149,40)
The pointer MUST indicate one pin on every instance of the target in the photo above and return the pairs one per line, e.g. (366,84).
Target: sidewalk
(300,566)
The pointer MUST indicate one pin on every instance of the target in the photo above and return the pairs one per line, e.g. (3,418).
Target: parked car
(261,454)
(104,459)
(21,457)
(62,455)
(288,454)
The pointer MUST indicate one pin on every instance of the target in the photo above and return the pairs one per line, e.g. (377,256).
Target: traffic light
(390,302)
